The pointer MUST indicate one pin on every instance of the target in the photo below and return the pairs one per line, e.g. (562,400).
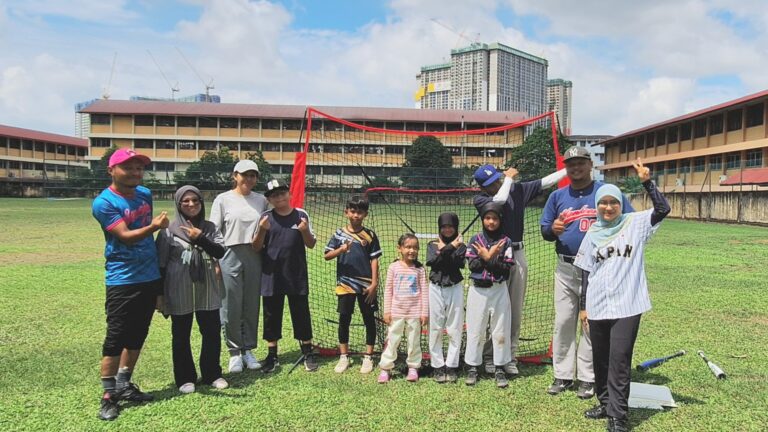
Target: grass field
(708,287)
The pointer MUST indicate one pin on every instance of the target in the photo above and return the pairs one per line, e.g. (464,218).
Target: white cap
(246,165)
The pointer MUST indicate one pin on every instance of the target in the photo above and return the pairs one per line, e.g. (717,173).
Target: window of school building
(733,160)
(755,115)
(716,124)
(699,164)
(716,163)
(754,158)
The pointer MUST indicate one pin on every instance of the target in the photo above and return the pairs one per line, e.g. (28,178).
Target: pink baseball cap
(125,154)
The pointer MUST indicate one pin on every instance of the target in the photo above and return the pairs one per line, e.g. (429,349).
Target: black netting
(344,159)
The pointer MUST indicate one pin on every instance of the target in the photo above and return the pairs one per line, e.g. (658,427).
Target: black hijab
(451,219)
(497,208)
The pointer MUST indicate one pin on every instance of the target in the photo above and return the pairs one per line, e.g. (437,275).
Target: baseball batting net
(342,158)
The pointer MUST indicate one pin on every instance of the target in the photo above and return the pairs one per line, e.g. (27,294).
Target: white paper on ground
(650,396)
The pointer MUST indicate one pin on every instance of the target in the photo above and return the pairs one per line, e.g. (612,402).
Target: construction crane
(174,88)
(105,91)
(459,34)
(208,85)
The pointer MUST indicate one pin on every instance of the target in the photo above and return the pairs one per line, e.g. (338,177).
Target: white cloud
(632,63)
(113,11)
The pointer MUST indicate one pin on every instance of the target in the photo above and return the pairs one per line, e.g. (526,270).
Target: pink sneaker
(413,375)
(384,377)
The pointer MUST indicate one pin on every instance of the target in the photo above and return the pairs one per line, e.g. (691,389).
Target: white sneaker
(250,361)
(220,384)
(235,364)
(367,366)
(343,364)
(187,388)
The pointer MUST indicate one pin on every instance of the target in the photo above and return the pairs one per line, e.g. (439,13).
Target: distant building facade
(485,77)
(559,100)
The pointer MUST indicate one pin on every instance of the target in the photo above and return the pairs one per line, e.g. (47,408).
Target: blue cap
(486,175)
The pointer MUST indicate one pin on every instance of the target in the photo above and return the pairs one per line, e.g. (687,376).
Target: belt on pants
(517,246)
(568,259)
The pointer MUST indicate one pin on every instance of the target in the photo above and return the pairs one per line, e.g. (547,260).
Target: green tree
(630,185)
(428,163)
(535,158)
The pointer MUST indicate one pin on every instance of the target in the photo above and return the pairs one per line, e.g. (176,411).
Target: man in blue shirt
(124,211)
(568,214)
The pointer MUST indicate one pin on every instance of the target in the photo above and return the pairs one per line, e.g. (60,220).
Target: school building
(29,159)
(717,149)
(176,134)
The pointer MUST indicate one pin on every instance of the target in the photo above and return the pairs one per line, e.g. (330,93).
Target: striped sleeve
(389,289)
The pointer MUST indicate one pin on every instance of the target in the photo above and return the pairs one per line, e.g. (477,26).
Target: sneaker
(310,362)
(187,388)
(596,413)
(220,384)
(440,376)
(617,425)
(559,385)
(490,368)
(471,376)
(451,375)
(501,378)
(235,364)
(269,364)
(511,369)
(384,377)
(413,375)
(586,390)
(108,409)
(250,361)
(132,393)
(367,366)
(343,364)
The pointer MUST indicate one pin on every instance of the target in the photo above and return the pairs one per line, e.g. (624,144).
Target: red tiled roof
(297,111)
(29,134)
(689,116)
(753,176)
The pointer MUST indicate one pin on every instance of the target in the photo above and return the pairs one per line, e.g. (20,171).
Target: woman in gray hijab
(188,251)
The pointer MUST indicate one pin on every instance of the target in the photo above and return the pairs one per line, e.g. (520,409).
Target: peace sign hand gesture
(191,231)
(642,171)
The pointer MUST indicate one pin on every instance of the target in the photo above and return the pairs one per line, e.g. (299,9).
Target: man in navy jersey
(499,187)
(568,214)
(124,211)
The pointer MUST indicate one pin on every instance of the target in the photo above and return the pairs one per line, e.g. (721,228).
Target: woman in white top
(236,214)
(614,292)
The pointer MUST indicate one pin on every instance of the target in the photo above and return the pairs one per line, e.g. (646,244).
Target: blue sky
(631,64)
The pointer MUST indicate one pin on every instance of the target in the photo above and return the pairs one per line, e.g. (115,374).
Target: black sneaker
(490,368)
(559,385)
(269,364)
(471,376)
(109,409)
(310,362)
(617,425)
(586,390)
(440,375)
(501,378)
(596,413)
(451,375)
(132,393)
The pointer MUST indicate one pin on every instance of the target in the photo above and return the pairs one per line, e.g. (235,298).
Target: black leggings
(370,327)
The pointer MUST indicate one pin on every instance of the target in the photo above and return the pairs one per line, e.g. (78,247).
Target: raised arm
(506,186)
(660,204)
(552,179)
